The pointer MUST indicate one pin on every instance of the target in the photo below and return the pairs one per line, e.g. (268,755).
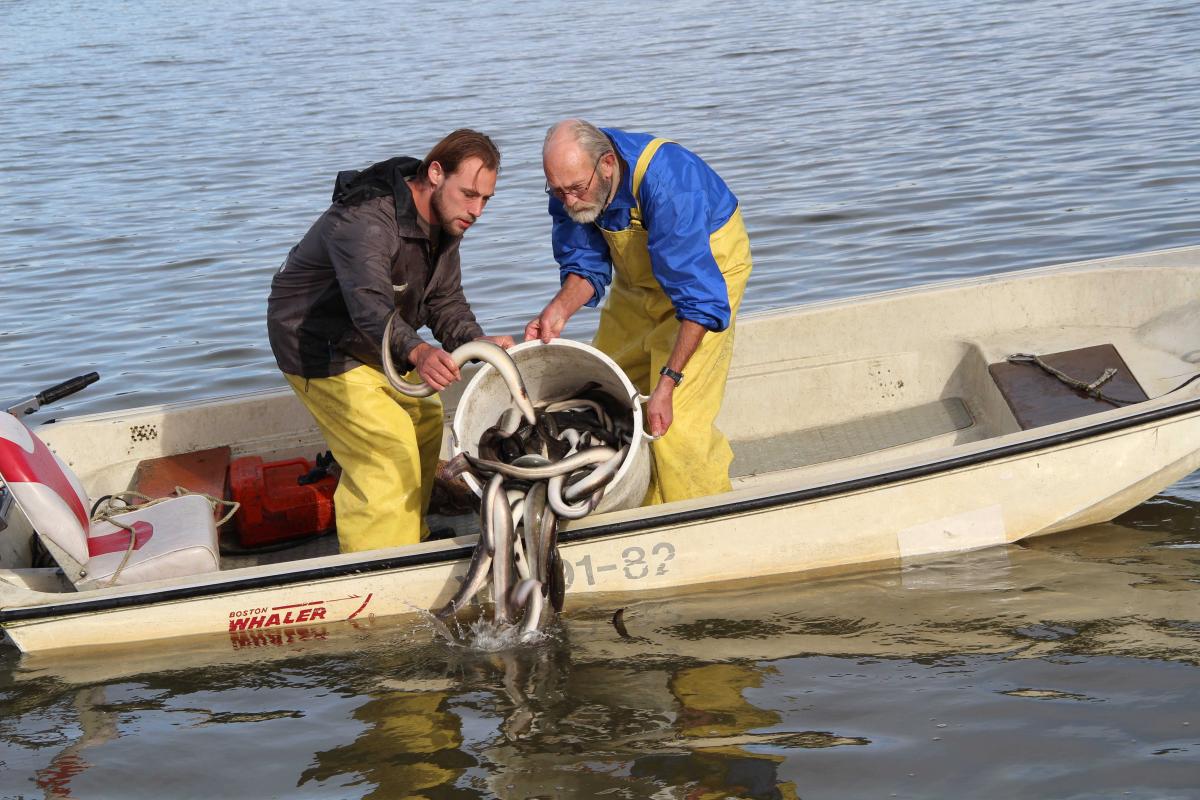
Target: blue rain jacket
(683,201)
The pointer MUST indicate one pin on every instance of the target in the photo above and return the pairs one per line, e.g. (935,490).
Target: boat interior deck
(940,419)
(1028,395)
(826,390)
(988,399)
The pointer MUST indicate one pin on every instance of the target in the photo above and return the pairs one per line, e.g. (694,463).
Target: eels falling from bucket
(477,350)
(525,486)
(554,466)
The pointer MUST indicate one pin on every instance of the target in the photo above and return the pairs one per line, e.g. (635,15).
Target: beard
(586,213)
(446,218)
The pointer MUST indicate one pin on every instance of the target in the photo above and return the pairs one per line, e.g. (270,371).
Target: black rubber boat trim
(628,526)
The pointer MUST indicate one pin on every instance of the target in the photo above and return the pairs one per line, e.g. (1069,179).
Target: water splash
(488,636)
(481,634)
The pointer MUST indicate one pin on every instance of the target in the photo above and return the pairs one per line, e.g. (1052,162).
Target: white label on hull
(983,527)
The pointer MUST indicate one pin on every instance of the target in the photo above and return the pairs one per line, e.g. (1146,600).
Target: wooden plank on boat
(199,471)
(1037,398)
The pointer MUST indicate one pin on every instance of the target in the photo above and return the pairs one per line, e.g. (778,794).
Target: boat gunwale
(714,511)
(1015,274)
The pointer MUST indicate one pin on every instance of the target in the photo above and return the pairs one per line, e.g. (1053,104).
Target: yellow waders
(638,330)
(387,445)
(713,706)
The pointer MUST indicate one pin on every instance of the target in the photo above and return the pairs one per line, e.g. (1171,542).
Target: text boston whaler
(865,430)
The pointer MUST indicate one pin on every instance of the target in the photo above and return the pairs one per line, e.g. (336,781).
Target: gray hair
(589,138)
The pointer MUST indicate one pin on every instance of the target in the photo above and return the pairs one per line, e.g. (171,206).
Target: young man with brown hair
(389,242)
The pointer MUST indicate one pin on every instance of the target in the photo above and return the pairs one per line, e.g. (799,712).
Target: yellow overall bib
(387,445)
(638,330)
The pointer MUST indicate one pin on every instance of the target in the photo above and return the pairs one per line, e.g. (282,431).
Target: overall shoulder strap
(639,172)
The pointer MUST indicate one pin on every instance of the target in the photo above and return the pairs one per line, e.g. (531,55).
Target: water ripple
(158,167)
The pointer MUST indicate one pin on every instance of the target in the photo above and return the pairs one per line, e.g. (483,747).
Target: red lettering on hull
(243,621)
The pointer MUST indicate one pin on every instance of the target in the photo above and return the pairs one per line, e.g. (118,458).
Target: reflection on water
(409,740)
(158,167)
(1064,667)
(96,726)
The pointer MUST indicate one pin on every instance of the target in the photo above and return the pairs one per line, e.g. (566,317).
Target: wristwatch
(672,374)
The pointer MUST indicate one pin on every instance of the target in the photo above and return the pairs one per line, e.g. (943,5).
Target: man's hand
(660,407)
(660,411)
(504,341)
(548,325)
(434,365)
(574,292)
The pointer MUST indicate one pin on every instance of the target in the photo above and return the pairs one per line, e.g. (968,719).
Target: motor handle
(67,388)
(54,393)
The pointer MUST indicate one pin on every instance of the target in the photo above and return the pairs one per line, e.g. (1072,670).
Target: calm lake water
(159,160)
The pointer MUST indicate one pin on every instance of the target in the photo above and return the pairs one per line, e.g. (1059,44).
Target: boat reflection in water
(745,690)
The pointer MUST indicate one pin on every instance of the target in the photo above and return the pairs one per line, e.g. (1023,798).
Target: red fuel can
(274,507)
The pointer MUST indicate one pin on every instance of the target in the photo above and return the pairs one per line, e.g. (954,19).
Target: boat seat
(173,538)
(870,434)
(1037,398)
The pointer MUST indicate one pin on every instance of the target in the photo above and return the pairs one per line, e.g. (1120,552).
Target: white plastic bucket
(556,371)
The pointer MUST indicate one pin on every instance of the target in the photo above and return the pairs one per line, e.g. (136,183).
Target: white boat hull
(838,527)
(984,485)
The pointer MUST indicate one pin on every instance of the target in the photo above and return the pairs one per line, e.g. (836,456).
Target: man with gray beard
(650,222)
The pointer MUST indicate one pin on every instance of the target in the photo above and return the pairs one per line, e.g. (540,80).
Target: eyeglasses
(575,191)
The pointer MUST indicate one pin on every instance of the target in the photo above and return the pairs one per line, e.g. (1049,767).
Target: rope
(106,510)
(128,551)
(1091,389)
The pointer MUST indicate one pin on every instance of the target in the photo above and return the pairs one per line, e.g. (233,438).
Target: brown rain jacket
(330,300)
